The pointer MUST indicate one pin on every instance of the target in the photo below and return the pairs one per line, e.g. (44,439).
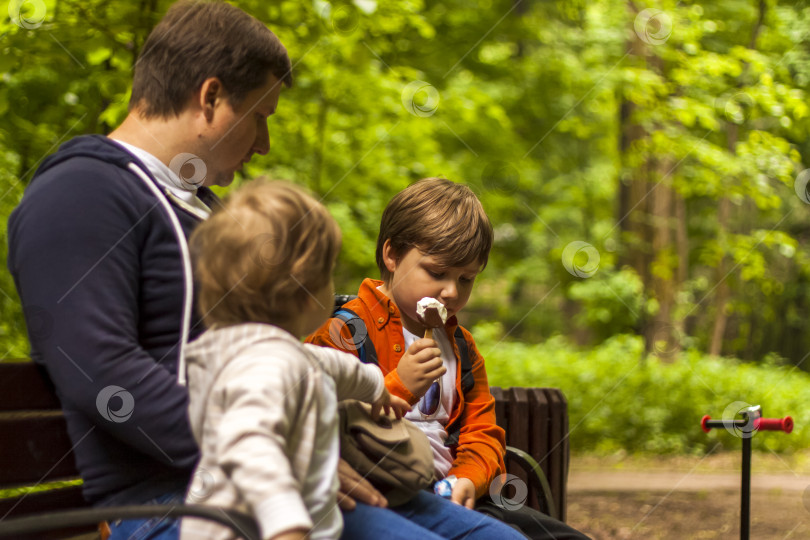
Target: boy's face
(415,275)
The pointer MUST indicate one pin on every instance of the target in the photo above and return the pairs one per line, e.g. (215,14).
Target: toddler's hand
(464,493)
(387,402)
(420,366)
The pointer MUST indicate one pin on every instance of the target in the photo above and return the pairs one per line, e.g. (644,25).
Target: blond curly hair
(259,256)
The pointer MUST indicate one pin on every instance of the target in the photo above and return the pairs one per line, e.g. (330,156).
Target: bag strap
(467,383)
(365,348)
(467,379)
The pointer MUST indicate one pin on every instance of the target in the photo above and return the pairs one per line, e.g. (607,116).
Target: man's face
(416,275)
(239,132)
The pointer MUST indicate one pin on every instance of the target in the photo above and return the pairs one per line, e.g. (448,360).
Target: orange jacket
(481,447)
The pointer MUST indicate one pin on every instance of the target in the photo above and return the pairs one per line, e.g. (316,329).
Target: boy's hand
(387,402)
(420,366)
(464,493)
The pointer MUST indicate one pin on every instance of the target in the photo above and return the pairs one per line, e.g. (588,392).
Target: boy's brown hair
(440,218)
(262,254)
(198,40)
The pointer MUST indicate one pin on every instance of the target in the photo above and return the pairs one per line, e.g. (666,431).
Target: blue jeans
(427,517)
(149,529)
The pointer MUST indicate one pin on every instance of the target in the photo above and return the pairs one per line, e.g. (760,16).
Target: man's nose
(262,143)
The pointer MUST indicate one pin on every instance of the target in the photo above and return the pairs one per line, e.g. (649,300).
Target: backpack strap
(467,383)
(365,348)
(467,379)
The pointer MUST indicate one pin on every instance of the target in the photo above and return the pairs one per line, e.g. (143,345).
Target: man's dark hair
(198,40)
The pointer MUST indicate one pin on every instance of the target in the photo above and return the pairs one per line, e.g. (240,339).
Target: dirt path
(666,499)
(580,481)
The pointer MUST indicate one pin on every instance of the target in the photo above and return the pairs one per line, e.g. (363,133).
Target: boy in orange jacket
(434,240)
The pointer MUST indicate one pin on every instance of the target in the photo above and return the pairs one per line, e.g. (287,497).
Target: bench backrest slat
(518,414)
(538,436)
(56,499)
(35,446)
(558,449)
(59,499)
(35,449)
(536,421)
(25,387)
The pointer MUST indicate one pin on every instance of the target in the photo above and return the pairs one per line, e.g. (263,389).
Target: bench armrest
(241,524)
(537,479)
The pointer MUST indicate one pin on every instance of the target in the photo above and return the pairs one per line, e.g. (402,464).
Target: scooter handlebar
(765,424)
(774,424)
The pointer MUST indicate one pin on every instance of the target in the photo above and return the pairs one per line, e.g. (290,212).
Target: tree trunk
(662,336)
(652,223)
(723,291)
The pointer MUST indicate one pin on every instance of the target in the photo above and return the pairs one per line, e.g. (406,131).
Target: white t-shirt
(169,181)
(434,425)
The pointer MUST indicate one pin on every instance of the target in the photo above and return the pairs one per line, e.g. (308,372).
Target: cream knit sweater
(263,409)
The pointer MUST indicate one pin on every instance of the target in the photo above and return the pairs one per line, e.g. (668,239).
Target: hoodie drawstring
(188,294)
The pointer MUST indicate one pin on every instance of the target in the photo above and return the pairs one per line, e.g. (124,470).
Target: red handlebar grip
(774,424)
(703,425)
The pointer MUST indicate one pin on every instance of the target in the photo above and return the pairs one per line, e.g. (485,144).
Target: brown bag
(394,455)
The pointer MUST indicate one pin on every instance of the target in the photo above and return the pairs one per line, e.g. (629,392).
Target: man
(97,247)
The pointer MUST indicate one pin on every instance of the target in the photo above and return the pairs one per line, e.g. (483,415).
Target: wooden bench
(536,423)
(36,450)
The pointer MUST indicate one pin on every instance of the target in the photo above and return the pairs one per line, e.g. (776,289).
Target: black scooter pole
(750,423)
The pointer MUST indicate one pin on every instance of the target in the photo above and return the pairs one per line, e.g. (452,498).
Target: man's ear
(389,256)
(208,96)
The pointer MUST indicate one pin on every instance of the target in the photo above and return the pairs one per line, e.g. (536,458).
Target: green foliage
(621,399)
(533,104)
(612,302)
(13,340)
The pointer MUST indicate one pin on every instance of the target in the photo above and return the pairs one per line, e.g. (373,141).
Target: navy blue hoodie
(99,271)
